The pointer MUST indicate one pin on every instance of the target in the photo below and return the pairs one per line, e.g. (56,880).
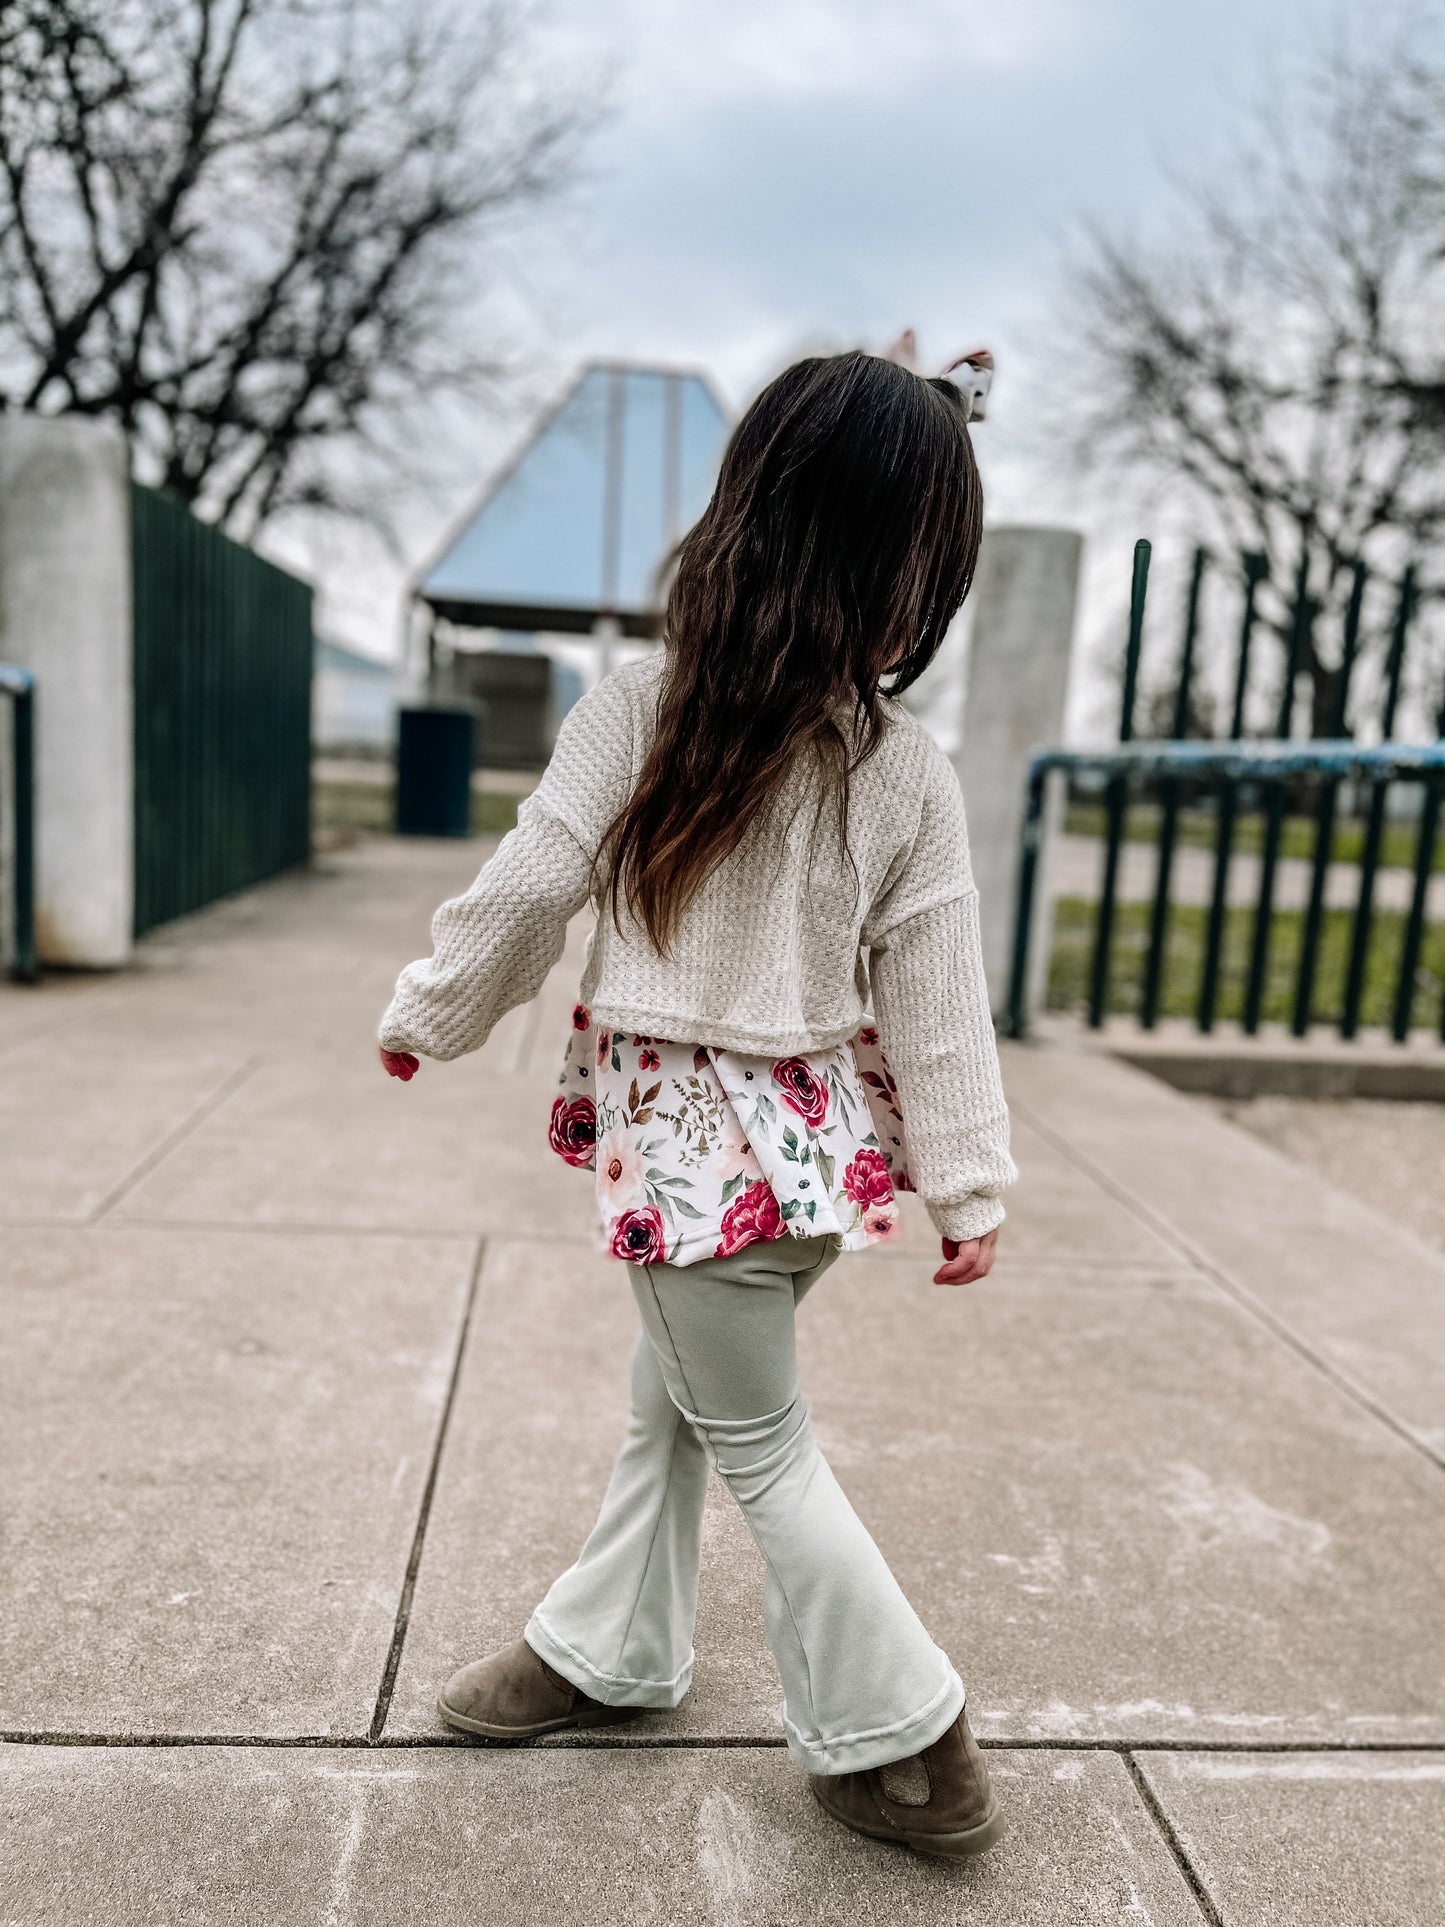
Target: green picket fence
(223,656)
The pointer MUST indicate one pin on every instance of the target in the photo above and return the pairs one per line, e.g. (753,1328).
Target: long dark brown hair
(839,543)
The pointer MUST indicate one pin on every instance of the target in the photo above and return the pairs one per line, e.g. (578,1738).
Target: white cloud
(761,50)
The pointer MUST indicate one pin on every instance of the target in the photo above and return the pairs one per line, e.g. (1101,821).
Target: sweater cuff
(969,1218)
(392,1033)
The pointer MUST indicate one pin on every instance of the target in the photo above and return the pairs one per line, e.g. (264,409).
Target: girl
(771,842)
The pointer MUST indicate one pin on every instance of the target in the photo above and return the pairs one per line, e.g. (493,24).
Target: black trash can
(434,772)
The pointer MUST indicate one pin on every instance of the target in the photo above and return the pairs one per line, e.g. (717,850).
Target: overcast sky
(779,168)
(777,173)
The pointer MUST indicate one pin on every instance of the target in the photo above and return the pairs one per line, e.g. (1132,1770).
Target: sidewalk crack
(1230,1288)
(413,1564)
(1203,1899)
(193,1120)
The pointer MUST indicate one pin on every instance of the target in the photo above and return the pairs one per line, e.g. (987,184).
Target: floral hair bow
(971,374)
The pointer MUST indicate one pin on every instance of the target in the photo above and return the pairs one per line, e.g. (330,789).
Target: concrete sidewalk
(311,1382)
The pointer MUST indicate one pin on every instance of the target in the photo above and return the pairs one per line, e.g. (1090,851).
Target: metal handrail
(1231,762)
(19,686)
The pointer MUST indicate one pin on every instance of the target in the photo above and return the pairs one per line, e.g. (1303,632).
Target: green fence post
(1116,796)
(1169,804)
(1415,922)
(1375,824)
(1325,813)
(1017,1017)
(1256,571)
(1275,805)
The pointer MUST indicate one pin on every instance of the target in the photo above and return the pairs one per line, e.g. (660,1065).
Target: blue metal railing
(1269,767)
(19,686)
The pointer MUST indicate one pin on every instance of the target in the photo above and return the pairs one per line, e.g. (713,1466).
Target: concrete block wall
(65,614)
(1024,601)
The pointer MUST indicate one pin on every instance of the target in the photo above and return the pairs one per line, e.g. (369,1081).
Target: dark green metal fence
(223,655)
(1230,768)
(1270,785)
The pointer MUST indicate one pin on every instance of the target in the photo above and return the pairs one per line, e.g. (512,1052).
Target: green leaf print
(768,1108)
(788,1208)
(790,1143)
(734,1184)
(826,1167)
(687,1210)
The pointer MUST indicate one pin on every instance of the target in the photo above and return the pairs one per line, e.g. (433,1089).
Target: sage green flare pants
(715,1382)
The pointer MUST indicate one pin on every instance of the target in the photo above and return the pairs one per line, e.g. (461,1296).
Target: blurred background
(360,360)
(443,313)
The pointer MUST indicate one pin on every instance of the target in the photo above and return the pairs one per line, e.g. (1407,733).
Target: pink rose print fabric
(701,1152)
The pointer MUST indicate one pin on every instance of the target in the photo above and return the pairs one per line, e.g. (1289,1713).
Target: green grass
(1196,827)
(340,811)
(1075,920)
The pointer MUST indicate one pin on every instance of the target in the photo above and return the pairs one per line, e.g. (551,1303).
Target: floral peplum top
(699,1152)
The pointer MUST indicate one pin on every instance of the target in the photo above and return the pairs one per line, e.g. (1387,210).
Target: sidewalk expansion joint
(609,1741)
(1238,1294)
(207,1108)
(413,1564)
(1203,1899)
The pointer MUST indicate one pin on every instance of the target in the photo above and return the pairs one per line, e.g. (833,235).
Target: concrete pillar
(65,614)
(1023,602)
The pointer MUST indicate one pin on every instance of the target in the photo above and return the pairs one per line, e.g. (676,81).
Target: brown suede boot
(515,1695)
(940,1801)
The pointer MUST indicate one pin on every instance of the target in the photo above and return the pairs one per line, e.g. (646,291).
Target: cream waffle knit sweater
(777,955)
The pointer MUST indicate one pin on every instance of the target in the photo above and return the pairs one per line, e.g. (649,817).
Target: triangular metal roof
(574,527)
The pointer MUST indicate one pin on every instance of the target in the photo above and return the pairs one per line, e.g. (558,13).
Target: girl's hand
(964,1264)
(400,1063)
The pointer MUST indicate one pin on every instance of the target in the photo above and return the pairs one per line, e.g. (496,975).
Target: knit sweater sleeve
(931,1007)
(493,945)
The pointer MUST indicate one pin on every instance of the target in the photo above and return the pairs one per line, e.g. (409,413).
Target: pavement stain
(1043,1571)
(1215,1513)
(338,1909)
(738,1854)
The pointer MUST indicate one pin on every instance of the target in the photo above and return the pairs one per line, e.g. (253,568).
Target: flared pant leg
(863,1683)
(618,1623)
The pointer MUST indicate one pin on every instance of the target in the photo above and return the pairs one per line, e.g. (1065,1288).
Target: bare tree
(253,231)
(1280,362)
